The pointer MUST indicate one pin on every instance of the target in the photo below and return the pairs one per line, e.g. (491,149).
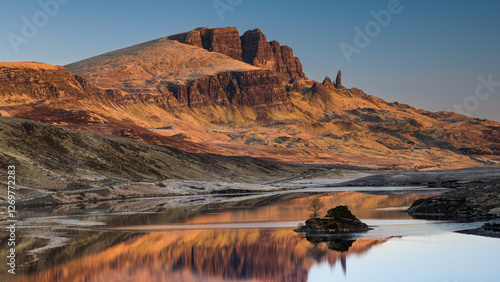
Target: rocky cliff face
(257,89)
(46,82)
(221,40)
(252,47)
(170,74)
(270,55)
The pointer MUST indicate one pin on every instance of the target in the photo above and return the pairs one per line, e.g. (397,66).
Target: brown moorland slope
(147,65)
(49,157)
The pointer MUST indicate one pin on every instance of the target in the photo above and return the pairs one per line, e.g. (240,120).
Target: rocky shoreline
(472,201)
(489,229)
(450,178)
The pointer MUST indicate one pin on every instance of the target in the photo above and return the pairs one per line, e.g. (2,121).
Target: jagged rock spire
(327,81)
(338,80)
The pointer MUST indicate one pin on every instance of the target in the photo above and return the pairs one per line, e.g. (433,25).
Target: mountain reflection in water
(209,254)
(363,205)
(257,255)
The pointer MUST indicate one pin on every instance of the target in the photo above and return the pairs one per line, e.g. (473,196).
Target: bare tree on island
(315,206)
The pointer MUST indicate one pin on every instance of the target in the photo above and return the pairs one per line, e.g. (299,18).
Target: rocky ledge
(39,81)
(255,88)
(489,229)
(472,200)
(337,220)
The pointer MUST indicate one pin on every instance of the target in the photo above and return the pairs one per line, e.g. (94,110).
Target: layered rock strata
(252,48)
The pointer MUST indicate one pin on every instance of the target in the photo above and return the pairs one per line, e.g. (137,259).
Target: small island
(338,220)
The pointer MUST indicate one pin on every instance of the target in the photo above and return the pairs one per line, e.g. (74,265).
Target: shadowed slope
(52,157)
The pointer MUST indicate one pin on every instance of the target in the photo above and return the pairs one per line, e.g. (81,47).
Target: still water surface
(252,240)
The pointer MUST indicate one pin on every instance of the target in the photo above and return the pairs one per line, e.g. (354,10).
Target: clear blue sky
(429,55)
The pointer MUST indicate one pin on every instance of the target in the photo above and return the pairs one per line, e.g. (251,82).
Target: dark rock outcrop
(191,38)
(337,220)
(252,47)
(338,80)
(332,225)
(270,55)
(472,200)
(489,229)
(493,225)
(258,88)
(341,212)
(221,40)
(257,51)
(328,82)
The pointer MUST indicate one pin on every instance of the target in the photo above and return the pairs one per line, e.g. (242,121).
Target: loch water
(249,238)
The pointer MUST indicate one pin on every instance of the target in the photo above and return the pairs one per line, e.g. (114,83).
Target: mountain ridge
(254,111)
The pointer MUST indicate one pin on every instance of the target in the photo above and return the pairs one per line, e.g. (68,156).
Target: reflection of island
(338,220)
(361,204)
(257,255)
(335,243)
(340,244)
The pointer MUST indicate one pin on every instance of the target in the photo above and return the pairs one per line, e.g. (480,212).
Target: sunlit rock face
(252,48)
(30,82)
